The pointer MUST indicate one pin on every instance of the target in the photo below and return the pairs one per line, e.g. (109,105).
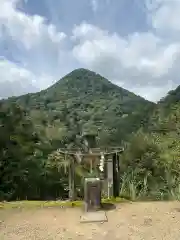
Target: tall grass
(135,188)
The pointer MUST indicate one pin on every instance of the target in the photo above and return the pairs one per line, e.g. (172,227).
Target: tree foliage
(34,126)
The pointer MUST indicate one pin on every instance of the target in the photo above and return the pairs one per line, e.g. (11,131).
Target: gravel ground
(146,220)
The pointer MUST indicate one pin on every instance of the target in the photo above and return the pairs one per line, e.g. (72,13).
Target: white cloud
(29,30)
(166,17)
(143,62)
(10,72)
(153,93)
(16,80)
(144,53)
(41,48)
(139,59)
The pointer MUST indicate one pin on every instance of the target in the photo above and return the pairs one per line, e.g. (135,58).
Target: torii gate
(109,164)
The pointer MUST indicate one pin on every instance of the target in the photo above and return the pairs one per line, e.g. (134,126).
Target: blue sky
(133,43)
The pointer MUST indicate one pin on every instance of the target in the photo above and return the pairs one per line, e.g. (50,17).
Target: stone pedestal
(92,198)
(92,194)
(89,217)
(110,178)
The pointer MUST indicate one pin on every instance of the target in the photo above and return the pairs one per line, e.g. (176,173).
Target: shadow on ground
(177,209)
(108,206)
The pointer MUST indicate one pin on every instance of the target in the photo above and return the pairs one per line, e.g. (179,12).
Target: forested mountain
(171,98)
(151,161)
(85,101)
(33,126)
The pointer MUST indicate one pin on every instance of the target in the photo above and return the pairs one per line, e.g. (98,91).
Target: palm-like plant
(82,167)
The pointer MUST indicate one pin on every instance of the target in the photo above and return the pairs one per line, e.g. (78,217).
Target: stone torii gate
(108,164)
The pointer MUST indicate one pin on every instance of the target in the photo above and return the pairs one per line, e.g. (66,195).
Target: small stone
(148,222)
(79,234)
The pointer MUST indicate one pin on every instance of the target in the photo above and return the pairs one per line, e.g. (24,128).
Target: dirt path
(150,220)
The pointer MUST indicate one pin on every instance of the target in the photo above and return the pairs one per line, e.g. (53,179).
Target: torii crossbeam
(90,151)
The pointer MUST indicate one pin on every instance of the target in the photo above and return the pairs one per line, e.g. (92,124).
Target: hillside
(151,160)
(164,110)
(172,97)
(85,101)
(33,126)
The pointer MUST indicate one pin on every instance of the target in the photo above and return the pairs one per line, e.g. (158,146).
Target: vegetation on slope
(151,161)
(33,126)
(85,101)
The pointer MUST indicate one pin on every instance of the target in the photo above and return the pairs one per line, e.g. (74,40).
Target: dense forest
(34,126)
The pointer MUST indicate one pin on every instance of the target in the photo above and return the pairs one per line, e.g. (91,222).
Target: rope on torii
(101,165)
(80,156)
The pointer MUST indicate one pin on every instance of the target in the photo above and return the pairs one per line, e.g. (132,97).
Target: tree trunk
(72,179)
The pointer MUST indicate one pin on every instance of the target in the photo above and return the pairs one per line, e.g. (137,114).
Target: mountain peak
(83,83)
(87,101)
(81,79)
(83,70)
(82,73)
